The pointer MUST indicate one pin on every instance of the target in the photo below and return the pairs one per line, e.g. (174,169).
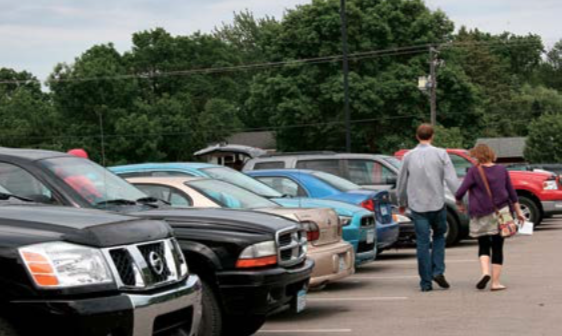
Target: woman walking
(482,210)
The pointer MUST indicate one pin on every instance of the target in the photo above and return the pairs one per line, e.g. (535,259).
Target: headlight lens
(550,185)
(61,265)
(345,220)
(258,255)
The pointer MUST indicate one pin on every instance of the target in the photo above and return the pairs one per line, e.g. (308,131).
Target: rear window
(328,166)
(269,165)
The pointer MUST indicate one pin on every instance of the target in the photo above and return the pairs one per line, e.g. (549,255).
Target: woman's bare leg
(496,273)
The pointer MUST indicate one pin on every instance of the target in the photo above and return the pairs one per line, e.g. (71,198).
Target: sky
(35,35)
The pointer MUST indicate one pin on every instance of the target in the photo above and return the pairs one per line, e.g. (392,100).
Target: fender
(203,253)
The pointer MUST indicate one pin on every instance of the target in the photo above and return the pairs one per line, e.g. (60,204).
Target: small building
(508,150)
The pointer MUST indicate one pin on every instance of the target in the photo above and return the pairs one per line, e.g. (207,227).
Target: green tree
(545,137)
(449,137)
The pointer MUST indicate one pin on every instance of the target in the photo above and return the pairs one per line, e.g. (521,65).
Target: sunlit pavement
(383,298)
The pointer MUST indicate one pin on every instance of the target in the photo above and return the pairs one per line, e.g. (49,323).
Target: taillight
(368,204)
(312,231)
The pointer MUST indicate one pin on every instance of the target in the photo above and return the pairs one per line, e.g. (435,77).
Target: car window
(284,185)
(242,180)
(461,164)
(230,196)
(134,174)
(336,181)
(269,165)
(17,181)
(369,172)
(165,193)
(328,166)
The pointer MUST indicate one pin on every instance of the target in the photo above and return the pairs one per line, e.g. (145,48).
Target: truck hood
(526,175)
(236,220)
(31,224)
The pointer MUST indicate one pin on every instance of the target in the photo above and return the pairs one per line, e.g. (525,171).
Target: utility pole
(345,53)
(433,62)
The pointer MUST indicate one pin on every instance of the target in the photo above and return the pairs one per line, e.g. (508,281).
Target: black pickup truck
(70,272)
(251,264)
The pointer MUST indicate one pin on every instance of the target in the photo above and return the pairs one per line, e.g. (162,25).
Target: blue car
(359,228)
(321,185)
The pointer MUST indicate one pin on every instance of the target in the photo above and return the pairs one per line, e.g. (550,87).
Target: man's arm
(402,183)
(451,178)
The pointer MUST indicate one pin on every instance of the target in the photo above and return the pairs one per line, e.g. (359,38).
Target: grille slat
(292,247)
(147,265)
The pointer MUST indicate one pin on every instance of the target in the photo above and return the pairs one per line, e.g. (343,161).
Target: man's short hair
(425,132)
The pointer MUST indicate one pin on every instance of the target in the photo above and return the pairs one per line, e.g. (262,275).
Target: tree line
(159,101)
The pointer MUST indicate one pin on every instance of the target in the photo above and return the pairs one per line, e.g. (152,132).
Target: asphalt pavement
(383,298)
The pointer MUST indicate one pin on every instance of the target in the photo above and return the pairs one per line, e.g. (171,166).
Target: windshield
(336,182)
(394,162)
(231,196)
(243,181)
(93,182)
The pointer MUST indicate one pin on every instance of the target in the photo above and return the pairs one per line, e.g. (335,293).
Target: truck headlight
(258,255)
(550,185)
(345,220)
(61,265)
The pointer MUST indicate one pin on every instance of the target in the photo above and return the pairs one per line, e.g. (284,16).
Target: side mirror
(392,180)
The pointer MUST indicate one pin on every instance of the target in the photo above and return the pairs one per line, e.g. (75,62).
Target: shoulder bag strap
(487,185)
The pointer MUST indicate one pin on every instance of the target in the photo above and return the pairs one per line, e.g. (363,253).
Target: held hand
(521,219)
(402,210)
(461,207)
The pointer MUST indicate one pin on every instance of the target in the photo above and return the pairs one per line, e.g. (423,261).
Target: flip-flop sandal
(483,282)
(498,289)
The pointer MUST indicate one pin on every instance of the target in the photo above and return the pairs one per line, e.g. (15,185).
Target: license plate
(301,301)
(384,210)
(343,266)
(370,236)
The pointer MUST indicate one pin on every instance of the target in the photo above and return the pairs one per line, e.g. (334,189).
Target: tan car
(333,257)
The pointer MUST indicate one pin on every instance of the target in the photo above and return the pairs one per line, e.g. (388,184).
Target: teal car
(359,225)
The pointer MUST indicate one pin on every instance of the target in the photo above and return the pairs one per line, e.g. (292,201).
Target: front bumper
(332,262)
(177,307)
(552,207)
(263,292)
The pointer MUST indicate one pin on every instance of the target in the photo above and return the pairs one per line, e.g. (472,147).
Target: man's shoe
(427,289)
(441,281)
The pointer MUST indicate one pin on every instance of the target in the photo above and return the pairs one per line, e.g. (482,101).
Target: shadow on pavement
(322,312)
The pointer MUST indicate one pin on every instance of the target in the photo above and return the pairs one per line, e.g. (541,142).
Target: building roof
(505,147)
(264,140)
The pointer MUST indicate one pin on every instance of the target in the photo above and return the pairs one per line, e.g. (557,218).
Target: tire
(244,325)
(530,210)
(212,319)
(6,328)
(452,236)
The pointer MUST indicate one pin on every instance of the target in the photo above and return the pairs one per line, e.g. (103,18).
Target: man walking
(421,188)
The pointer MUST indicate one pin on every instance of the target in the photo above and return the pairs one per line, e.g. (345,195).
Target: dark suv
(378,172)
(251,264)
(86,272)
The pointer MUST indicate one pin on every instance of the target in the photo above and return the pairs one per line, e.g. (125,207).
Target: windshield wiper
(151,200)
(116,202)
(7,196)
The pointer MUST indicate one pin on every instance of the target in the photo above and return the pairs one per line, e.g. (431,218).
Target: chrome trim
(144,279)
(298,246)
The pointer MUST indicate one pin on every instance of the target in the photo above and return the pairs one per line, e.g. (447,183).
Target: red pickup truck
(540,194)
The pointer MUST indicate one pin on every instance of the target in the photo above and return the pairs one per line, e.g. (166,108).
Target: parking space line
(378,298)
(306,331)
(398,277)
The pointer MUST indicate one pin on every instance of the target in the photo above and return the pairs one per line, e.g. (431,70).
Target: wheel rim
(526,212)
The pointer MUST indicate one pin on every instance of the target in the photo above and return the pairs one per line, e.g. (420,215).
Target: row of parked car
(179,249)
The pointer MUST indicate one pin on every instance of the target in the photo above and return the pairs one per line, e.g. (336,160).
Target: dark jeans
(431,257)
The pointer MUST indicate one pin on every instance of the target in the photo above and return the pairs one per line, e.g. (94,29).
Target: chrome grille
(292,247)
(147,265)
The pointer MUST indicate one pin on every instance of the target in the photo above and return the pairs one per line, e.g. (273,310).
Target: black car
(251,264)
(85,272)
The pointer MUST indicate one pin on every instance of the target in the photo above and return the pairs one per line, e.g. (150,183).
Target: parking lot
(384,298)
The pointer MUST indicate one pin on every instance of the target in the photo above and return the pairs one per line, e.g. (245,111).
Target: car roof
(280,156)
(283,171)
(23,154)
(165,179)
(170,165)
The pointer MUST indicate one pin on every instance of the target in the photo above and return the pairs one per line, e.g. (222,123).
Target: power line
(396,51)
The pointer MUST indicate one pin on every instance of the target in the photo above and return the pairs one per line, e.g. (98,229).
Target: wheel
(452,236)
(6,328)
(212,319)
(530,210)
(243,325)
